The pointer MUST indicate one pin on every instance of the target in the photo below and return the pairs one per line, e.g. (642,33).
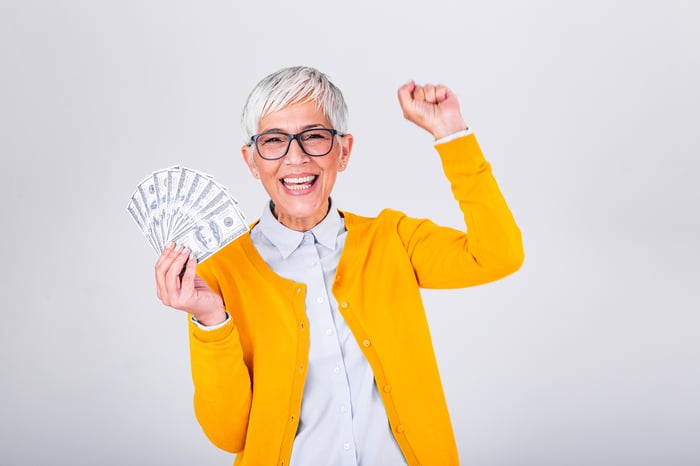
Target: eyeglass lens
(314,142)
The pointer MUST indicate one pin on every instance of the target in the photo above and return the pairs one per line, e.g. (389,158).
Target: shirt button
(346,446)
(329,332)
(319,299)
(343,409)
(366,343)
(337,370)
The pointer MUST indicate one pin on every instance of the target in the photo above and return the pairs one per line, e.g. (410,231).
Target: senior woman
(308,338)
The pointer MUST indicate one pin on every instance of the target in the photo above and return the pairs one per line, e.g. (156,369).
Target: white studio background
(588,111)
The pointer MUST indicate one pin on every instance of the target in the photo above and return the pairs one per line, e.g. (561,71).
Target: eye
(272,138)
(316,135)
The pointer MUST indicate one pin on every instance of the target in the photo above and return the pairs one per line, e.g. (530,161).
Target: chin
(305,213)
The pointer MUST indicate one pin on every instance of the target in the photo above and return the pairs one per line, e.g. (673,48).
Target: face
(299,184)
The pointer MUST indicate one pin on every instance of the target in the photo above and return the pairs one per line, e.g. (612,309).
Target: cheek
(269,182)
(267,173)
(330,179)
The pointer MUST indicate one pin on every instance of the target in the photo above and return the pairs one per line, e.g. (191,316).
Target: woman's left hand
(433,108)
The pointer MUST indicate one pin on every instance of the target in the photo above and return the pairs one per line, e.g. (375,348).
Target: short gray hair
(289,86)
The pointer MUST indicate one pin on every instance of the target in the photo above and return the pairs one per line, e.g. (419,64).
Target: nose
(296,155)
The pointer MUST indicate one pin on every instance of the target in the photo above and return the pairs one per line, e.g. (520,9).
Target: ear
(345,150)
(249,158)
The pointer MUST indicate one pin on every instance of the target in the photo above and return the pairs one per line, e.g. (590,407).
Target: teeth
(303,179)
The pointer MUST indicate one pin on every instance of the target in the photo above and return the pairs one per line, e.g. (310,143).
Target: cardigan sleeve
(489,249)
(223,393)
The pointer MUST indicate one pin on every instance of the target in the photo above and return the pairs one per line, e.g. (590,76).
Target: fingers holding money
(187,274)
(169,277)
(179,287)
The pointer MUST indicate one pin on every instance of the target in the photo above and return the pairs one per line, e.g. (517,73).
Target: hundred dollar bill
(160,184)
(191,218)
(181,184)
(192,185)
(136,211)
(214,230)
(149,199)
(209,198)
(173,184)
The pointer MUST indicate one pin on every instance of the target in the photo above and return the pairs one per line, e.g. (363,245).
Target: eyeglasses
(316,142)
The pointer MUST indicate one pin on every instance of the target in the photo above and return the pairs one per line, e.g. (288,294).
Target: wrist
(448,130)
(211,319)
(453,136)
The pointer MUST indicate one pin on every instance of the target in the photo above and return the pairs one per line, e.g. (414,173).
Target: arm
(222,385)
(221,379)
(492,246)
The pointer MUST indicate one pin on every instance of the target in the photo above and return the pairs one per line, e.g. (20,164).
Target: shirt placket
(326,365)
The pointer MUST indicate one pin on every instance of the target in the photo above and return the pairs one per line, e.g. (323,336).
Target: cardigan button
(399,428)
(387,388)
(366,343)
(344,304)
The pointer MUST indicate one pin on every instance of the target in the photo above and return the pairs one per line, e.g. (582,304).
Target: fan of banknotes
(188,207)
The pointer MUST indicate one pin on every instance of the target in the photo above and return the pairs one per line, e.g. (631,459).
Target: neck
(301,223)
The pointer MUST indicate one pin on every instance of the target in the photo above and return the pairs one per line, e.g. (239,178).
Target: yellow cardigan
(249,375)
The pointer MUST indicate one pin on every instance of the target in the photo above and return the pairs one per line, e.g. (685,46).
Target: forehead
(295,117)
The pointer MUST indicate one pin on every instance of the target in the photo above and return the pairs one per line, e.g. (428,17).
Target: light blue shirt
(343,420)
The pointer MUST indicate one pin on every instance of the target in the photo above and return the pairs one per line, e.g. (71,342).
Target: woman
(308,339)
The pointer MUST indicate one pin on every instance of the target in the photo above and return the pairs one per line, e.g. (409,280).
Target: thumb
(188,275)
(405,94)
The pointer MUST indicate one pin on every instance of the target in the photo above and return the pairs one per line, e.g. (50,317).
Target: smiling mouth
(299,183)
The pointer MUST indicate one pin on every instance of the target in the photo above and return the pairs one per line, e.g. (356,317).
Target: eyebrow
(303,128)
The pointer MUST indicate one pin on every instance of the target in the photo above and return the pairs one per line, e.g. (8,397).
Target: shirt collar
(287,240)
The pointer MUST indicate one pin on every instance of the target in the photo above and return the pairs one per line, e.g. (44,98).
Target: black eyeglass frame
(290,137)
